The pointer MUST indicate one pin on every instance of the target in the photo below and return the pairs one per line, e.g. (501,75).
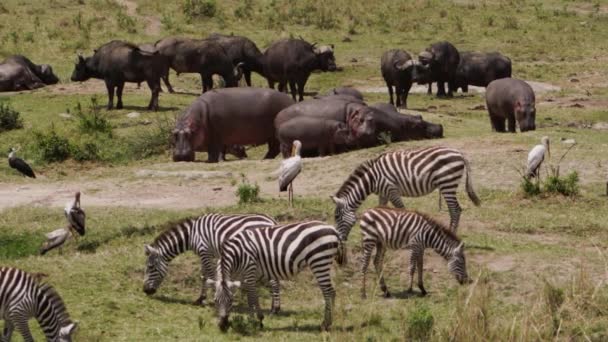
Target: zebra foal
(278,252)
(410,173)
(204,235)
(22,297)
(384,228)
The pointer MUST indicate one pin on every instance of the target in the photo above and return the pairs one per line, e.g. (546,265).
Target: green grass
(538,263)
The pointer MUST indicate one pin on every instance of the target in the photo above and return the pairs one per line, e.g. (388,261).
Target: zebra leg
(378,263)
(8,331)
(413,261)
(322,272)
(252,298)
(395,199)
(368,248)
(449,194)
(22,327)
(208,273)
(275,287)
(420,282)
(382,200)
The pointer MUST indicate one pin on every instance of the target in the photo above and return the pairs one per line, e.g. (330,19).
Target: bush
(199,8)
(9,118)
(52,147)
(248,193)
(88,151)
(567,186)
(420,323)
(245,325)
(92,121)
(530,188)
(152,141)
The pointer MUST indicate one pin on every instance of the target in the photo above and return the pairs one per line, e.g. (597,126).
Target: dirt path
(539,88)
(153,24)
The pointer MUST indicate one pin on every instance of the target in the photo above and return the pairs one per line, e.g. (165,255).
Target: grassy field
(539,264)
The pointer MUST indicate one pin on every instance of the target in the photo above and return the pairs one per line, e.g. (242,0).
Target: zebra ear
(150,250)
(337,200)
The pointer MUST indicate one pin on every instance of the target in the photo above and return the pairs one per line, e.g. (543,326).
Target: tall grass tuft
(247,192)
(420,323)
(51,147)
(9,118)
(92,120)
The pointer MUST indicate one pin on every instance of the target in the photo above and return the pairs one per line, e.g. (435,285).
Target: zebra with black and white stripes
(204,235)
(410,173)
(278,252)
(386,228)
(22,297)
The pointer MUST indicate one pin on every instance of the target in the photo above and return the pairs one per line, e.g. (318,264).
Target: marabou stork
(290,168)
(19,165)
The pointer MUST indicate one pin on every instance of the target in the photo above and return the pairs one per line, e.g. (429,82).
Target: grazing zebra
(22,297)
(410,173)
(204,235)
(278,252)
(384,228)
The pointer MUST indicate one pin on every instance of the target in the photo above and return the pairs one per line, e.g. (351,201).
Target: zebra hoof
(325,326)
(199,302)
(423,292)
(387,295)
(275,310)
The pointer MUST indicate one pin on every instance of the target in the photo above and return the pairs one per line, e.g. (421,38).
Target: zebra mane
(170,227)
(59,308)
(355,175)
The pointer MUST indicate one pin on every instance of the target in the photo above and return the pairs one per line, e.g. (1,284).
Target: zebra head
(156,269)
(344,216)
(457,264)
(65,332)
(223,296)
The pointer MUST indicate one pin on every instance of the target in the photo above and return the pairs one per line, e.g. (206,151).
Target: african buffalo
(17,72)
(399,70)
(441,60)
(293,60)
(118,62)
(479,69)
(230,116)
(241,50)
(205,57)
(511,99)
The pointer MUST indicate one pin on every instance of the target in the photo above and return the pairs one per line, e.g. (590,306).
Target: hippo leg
(498,123)
(511,123)
(213,152)
(274,149)
(390,93)
(292,87)
(110,88)
(301,84)
(119,88)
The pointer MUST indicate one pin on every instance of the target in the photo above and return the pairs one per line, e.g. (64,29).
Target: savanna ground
(540,264)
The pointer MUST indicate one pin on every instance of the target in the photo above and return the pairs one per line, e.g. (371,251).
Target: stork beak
(293,150)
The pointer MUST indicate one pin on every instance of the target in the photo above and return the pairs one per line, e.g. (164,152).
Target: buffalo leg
(406,92)
(292,87)
(430,90)
(465,88)
(398,91)
(166,80)
(451,88)
(247,74)
(119,88)
(110,88)
(273,149)
(270,84)
(440,89)
(154,86)
(301,84)
(390,94)
(282,86)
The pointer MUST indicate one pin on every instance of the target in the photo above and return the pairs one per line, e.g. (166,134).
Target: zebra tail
(469,185)
(341,256)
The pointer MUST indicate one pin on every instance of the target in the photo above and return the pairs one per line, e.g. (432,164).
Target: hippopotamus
(17,72)
(347,93)
(441,60)
(479,69)
(399,70)
(322,135)
(229,116)
(356,115)
(511,99)
(404,127)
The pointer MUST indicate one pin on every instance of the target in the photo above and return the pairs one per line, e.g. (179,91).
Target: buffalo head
(46,74)
(81,72)
(325,57)
(525,113)
(182,145)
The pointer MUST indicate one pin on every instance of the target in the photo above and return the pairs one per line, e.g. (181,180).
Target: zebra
(22,297)
(383,228)
(278,252)
(203,235)
(410,173)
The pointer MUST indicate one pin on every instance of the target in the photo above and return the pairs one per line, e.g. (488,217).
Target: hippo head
(182,145)
(362,125)
(525,113)
(434,131)
(325,57)
(46,74)
(81,72)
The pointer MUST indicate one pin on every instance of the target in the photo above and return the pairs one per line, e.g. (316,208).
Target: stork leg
(290,194)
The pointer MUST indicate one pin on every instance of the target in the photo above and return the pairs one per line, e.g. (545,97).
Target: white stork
(76,222)
(19,165)
(290,168)
(536,158)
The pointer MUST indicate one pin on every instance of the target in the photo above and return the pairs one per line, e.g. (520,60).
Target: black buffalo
(17,72)
(118,62)
(479,69)
(399,70)
(241,51)
(441,61)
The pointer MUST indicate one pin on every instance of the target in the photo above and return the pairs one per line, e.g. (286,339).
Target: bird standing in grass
(536,158)
(76,222)
(19,165)
(290,168)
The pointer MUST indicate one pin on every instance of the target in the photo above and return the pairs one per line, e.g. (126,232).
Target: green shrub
(199,8)
(88,151)
(567,186)
(126,22)
(151,141)
(530,188)
(420,323)
(9,118)
(51,147)
(92,121)
(245,325)
(248,193)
